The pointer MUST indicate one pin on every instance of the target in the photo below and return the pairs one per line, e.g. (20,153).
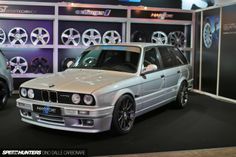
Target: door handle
(162,76)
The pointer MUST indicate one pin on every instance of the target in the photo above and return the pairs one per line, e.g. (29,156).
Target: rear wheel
(4,93)
(182,97)
(123,115)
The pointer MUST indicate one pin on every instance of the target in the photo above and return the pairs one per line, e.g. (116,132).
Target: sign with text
(97,12)
(161,15)
(26,9)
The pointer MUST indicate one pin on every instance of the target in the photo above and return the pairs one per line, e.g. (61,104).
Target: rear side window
(179,56)
(168,57)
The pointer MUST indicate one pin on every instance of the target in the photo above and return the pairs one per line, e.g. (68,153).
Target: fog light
(88,122)
(24,113)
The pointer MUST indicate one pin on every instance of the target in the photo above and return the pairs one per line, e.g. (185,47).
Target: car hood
(77,80)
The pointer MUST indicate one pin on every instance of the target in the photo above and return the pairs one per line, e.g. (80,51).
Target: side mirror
(149,68)
(69,64)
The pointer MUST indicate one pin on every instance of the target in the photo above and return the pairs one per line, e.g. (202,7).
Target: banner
(161,15)
(210,43)
(228,53)
(26,9)
(97,12)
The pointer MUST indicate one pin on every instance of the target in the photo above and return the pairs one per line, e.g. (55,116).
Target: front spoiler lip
(63,128)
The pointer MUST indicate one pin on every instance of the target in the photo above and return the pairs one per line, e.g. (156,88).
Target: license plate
(46,110)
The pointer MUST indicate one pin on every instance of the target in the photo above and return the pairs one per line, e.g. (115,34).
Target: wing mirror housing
(150,68)
(70,64)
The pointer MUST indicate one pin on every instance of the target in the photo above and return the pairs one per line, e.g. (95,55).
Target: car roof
(142,45)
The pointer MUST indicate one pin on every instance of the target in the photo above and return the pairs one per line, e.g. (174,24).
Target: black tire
(123,115)
(4,94)
(182,96)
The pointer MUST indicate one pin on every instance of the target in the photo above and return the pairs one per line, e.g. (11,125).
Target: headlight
(75,98)
(23,92)
(88,99)
(31,93)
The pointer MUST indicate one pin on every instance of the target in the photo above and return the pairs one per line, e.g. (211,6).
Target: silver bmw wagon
(107,88)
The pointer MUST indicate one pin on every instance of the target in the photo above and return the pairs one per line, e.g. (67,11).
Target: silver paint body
(5,74)
(149,92)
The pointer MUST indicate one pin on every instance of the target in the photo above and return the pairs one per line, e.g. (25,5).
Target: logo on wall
(162,16)
(89,12)
(229,28)
(6,9)
(189,4)
(3,9)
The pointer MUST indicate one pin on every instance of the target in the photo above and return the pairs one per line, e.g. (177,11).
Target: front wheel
(123,115)
(3,94)
(182,97)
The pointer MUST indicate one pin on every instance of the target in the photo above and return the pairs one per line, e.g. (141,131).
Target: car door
(152,82)
(172,71)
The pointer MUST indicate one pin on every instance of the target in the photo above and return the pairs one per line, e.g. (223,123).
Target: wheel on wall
(70,37)
(91,37)
(39,65)
(182,96)
(159,37)
(4,94)
(177,39)
(123,115)
(2,36)
(111,37)
(64,63)
(18,35)
(207,35)
(138,36)
(40,36)
(18,65)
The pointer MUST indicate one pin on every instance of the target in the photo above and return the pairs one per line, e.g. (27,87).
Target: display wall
(41,38)
(216,49)
(210,50)
(228,53)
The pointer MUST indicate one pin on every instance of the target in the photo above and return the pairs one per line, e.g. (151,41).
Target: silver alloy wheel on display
(18,65)
(2,36)
(70,37)
(91,37)
(111,37)
(177,39)
(159,37)
(207,35)
(40,36)
(17,35)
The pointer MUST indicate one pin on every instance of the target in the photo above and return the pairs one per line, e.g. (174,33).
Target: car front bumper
(72,118)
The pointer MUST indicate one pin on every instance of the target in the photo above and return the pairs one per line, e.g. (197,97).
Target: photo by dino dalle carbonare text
(79,153)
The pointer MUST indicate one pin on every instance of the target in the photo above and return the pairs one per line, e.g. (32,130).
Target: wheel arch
(121,93)
(181,80)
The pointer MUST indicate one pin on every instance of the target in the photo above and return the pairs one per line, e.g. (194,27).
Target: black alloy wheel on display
(138,36)
(123,115)
(4,94)
(40,65)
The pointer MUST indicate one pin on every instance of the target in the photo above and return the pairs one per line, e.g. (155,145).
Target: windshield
(114,58)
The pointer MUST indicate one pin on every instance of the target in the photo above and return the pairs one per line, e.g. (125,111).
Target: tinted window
(168,57)
(179,56)
(151,57)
